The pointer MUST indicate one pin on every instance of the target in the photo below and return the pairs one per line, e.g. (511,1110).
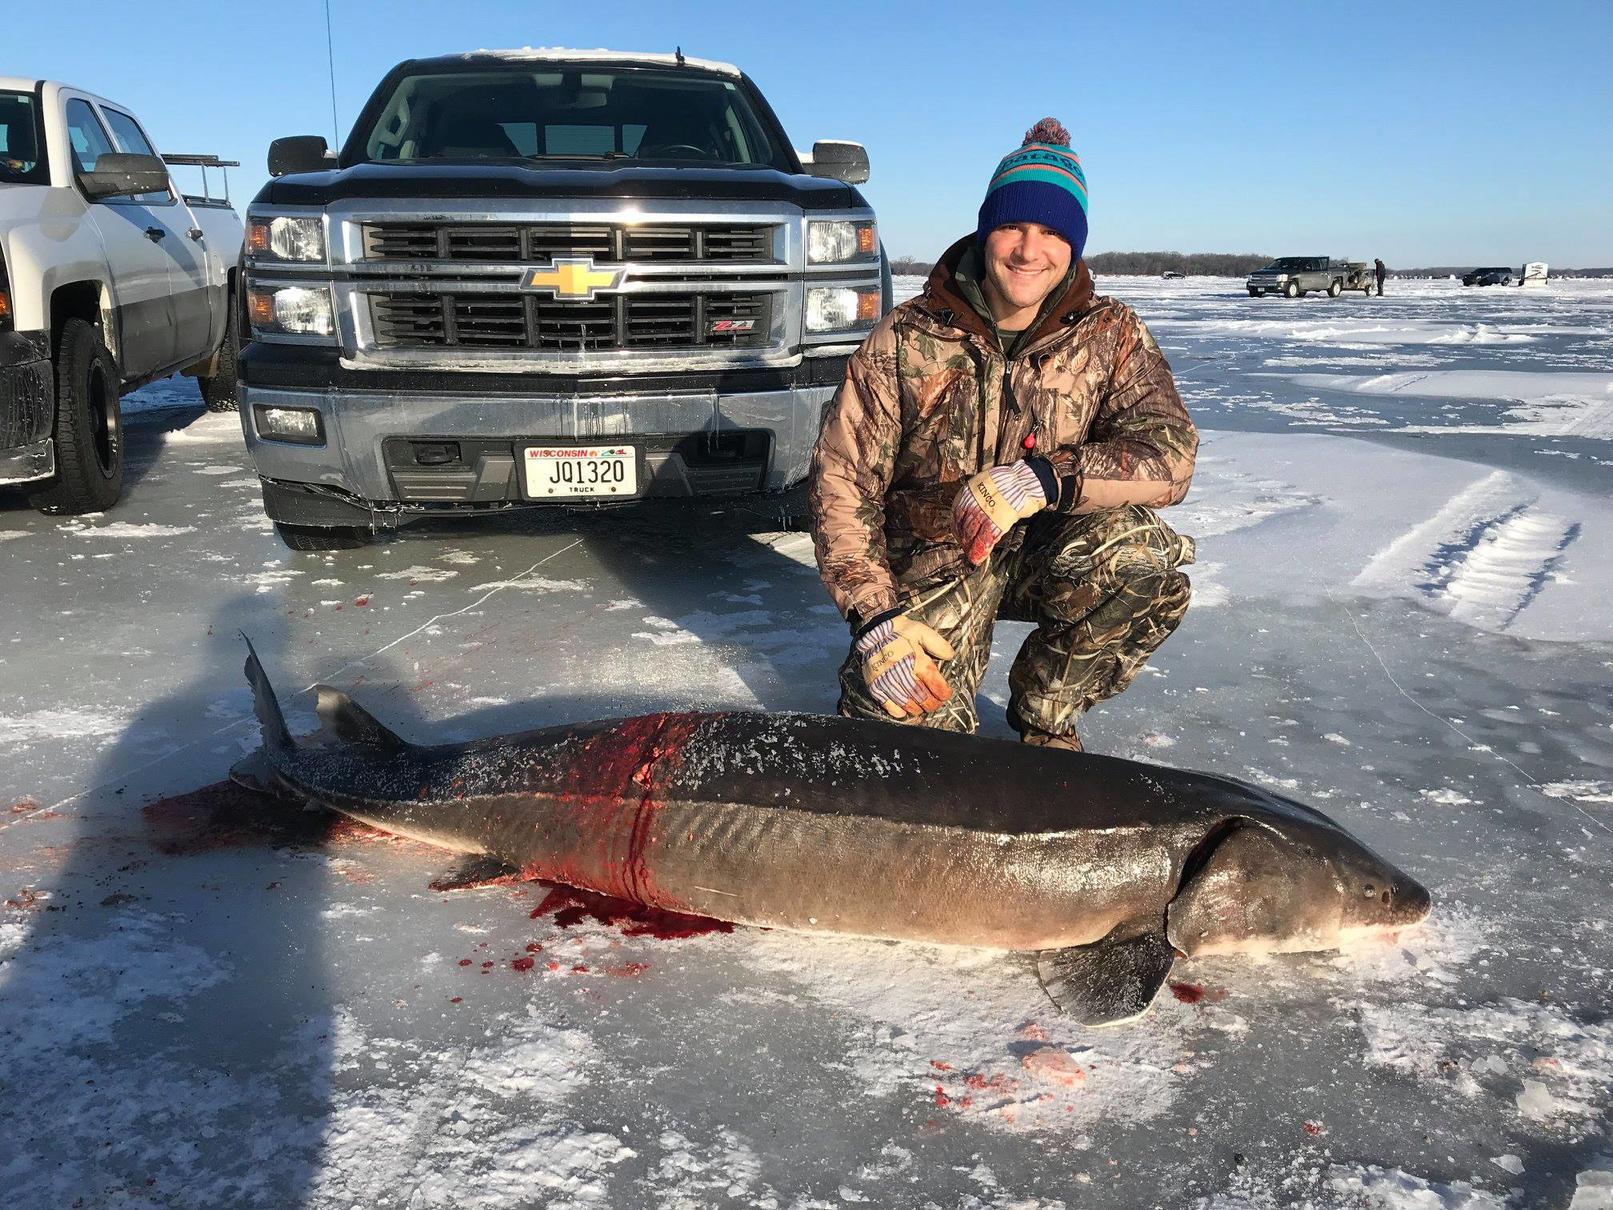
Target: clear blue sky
(1426,133)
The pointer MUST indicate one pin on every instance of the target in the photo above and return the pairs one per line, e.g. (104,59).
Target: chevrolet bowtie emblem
(572,277)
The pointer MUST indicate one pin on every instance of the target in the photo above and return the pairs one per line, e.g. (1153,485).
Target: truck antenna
(677,51)
(330,58)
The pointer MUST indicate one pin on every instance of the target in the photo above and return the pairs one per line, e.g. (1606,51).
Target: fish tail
(276,737)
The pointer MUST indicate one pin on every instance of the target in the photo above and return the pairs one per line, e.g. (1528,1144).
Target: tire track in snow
(1482,558)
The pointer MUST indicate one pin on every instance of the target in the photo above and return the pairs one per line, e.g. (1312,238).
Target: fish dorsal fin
(345,719)
(1109,981)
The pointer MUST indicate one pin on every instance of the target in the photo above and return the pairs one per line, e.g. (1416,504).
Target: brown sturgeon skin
(833,825)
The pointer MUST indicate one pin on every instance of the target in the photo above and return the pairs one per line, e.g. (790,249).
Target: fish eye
(1369,890)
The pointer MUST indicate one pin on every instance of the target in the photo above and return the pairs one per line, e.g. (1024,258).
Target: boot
(1070,742)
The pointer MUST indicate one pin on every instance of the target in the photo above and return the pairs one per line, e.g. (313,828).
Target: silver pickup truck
(1297,276)
(548,278)
(109,278)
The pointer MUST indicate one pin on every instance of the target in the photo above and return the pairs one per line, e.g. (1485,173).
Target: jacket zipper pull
(1009,401)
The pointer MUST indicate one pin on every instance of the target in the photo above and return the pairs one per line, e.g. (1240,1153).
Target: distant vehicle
(1297,276)
(1170,273)
(1498,275)
(109,278)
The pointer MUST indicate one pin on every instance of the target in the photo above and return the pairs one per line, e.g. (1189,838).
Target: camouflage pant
(1104,590)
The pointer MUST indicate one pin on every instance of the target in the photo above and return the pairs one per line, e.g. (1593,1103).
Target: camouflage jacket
(929,400)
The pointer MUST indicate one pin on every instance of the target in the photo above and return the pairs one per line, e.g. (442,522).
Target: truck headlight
(841,308)
(833,241)
(292,310)
(290,239)
(1282,277)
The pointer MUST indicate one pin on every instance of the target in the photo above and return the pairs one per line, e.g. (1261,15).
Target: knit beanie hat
(1042,183)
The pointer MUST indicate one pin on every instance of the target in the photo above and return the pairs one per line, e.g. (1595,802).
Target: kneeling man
(997,450)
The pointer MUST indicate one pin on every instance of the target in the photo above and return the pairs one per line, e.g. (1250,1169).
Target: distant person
(1380,271)
(997,450)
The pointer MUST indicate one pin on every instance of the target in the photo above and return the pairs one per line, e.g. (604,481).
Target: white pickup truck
(110,278)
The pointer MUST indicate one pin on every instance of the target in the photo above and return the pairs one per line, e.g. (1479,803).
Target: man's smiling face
(1025,262)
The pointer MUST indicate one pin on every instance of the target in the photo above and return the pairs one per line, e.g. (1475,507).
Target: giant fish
(1106,870)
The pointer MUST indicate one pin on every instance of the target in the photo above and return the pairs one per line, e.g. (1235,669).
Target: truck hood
(518,181)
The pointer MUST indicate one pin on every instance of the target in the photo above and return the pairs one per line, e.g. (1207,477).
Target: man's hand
(898,669)
(992,502)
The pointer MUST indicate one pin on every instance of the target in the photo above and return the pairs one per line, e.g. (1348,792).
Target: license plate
(559,472)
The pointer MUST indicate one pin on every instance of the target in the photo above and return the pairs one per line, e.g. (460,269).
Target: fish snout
(1409,902)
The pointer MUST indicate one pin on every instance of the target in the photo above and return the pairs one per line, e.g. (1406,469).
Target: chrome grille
(694,242)
(532,322)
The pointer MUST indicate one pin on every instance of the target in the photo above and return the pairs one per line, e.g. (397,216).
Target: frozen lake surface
(1401,617)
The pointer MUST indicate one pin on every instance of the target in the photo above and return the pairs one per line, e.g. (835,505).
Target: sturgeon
(1105,869)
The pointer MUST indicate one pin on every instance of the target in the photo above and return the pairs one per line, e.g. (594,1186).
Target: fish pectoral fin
(476,870)
(345,719)
(1109,981)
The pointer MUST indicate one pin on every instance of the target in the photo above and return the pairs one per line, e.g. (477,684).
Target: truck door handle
(195,233)
(155,233)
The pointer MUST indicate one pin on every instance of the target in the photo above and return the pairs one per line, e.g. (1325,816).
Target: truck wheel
(219,388)
(89,426)
(1335,288)
(1291,290)
(1370,289)
(321,537)
(1254,293)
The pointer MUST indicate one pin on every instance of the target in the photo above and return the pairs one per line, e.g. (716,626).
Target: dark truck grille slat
(688,242)
(529,321)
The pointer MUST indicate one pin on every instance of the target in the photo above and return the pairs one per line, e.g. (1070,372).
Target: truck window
(22,145)
(127,132)
(133,140)
(523,114)
(86,135)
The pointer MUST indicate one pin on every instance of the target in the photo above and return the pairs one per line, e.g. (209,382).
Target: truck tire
(219,389)
(88,428)
(1335,288)
(1291,290)
(323,537)
(1253,293)
(1370,288)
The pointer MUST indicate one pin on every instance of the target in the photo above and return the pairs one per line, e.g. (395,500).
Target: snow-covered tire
(89,426)
(220,389)
(322,537)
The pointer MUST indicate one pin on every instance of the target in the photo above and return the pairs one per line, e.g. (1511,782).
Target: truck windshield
(566,113)
(22,142)
(1289,264)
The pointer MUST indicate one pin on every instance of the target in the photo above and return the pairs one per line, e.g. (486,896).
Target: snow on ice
(1405,554)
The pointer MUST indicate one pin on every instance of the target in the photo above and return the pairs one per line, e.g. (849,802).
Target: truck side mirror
(299,153)
(122,174)
(840,161)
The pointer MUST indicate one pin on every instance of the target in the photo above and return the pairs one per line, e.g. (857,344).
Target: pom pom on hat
(1048,130)
(1040,182)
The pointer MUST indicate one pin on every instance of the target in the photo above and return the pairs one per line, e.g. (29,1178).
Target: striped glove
(993,501)
(898,669)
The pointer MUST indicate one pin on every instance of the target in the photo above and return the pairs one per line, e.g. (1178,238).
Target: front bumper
(437,442)
(27,407)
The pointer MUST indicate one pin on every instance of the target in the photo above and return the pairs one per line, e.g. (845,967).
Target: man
(1380,271)
(997,450)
